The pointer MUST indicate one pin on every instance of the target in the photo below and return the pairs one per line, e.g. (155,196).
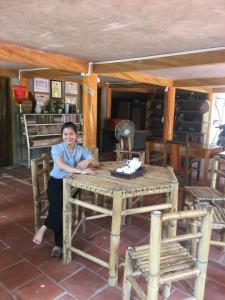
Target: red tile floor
(27,272)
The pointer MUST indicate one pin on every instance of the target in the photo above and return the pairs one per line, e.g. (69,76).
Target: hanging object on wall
(19,94)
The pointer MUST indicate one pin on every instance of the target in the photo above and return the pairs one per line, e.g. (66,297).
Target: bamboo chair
(40,168)
(156,152)
(166,260)
(185,164)
(198,196)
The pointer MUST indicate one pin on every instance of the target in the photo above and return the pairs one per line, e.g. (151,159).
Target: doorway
(218,116)
(5,124)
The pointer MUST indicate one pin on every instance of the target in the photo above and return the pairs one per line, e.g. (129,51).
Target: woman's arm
(62,165)
(88,163)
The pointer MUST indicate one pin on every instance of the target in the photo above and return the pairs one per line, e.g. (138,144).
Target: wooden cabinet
(44,130)
(190,117)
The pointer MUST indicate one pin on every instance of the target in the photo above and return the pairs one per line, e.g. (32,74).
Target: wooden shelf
(44,130)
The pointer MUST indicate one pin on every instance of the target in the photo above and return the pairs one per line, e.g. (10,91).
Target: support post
(90,110)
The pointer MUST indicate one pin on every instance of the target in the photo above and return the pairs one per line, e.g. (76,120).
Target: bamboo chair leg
(223,239)
(166,290)
(124,206)
(194,229)
(37,213)
(203,255)
(104,202)
(95,202)
(128,270)
(198,170)
(129,205)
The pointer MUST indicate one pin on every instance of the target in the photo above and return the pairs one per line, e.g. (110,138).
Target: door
(5,124)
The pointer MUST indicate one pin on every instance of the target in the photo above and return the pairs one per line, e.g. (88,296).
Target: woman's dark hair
(69,125)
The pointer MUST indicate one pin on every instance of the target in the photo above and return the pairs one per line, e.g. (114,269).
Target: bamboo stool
(40,168)
(166,260)
(198,196)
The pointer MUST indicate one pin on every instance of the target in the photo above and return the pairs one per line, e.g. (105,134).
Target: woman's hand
(87,171)
(83,164)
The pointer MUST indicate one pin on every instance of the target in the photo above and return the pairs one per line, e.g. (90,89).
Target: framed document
(71,88)
(56,89)
(41,85)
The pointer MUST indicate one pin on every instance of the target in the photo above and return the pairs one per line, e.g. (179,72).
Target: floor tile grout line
(65,293)
(72,274)
(25,283)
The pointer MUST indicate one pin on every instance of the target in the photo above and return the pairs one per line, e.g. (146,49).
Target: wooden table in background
(203,151)
(155,180)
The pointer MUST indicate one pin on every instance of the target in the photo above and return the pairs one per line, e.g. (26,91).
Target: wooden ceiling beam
(200,89)
(140,77)
(166,61)
(200,82)
(22,55)
(218,90)
(9,73)
(50,74)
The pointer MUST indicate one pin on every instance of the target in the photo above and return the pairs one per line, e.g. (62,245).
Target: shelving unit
(155,113)
(42,131)
(189,117)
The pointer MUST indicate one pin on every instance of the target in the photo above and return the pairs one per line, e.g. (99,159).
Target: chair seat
(174,259)
(219,218)
(203,193)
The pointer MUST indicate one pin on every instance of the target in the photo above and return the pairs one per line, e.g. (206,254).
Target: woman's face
(69,136)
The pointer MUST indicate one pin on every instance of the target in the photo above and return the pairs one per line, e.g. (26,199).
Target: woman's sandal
(56,252)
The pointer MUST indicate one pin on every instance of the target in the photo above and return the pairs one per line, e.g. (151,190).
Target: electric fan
(124,132)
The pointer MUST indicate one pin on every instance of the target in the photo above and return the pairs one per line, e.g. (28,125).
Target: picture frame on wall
(41,85)
(71,88)
(56,89)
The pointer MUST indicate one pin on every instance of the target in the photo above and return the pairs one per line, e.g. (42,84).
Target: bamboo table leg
(206,167)
(67,222)
(173,199)
(115,238)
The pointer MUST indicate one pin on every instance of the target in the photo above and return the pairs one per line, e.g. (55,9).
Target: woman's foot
(56,252)
(39,235)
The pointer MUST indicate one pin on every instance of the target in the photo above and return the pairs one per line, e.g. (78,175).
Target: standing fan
(124,133)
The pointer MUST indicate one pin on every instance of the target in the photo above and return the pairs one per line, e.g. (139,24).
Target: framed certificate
(41,85)
(56,89)
(71,88)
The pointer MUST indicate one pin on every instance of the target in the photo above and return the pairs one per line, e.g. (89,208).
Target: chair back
(156,152)
(203,234)
(128,155)
(40,169)
(95,153)
(180,159)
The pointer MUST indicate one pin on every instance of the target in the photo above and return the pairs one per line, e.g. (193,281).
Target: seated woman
(68,157)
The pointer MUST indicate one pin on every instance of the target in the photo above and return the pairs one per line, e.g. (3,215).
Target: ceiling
(174,40)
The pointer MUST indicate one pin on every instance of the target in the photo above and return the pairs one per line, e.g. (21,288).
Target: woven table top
(153,180)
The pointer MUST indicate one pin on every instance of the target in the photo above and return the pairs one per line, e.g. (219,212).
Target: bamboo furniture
(165,260)
(155,180)
(129,154)
(156,152)
(40,169)
(186,164)
(198,196)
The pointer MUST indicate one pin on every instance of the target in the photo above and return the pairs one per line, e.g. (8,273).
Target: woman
(68,157)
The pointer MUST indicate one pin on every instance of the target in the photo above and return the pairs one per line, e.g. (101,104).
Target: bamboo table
(155,180)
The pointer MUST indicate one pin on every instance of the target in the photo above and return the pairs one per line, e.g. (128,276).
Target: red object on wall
(19,93)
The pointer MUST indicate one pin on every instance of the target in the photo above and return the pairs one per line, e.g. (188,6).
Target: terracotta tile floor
(27,272)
